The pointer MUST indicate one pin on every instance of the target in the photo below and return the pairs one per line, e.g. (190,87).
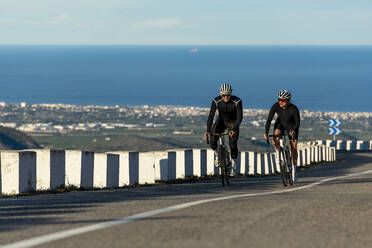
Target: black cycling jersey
(232,111)
(288,118)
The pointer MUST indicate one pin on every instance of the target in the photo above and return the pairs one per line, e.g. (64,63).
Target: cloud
(5,23)
(60,18)
(87,25)
(159,23)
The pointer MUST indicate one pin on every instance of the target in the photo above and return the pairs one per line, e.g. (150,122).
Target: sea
(320,78)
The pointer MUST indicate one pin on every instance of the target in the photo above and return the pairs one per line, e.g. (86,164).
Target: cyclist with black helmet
(288,119)
(230,115)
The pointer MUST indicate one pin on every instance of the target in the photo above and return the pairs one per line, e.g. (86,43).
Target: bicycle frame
(223,158)
(285,158)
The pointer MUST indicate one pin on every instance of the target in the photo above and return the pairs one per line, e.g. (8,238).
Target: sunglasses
(225,95)
(282,100)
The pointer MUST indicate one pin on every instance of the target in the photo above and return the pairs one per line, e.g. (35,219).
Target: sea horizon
(321,78)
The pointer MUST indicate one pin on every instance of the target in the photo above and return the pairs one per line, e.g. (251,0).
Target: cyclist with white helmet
(230,115)
(288,119)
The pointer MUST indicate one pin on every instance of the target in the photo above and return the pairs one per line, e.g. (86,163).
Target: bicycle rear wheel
(283,166)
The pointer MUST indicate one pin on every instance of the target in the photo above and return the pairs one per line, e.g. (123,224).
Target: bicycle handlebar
(221,134)
(286,132)
(216,134)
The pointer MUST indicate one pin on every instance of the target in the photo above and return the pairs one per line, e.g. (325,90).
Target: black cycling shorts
(281,128)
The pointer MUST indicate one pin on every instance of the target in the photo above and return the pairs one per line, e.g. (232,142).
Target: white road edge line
(80,230)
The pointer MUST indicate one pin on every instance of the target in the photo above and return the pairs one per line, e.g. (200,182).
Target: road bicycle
(223,160)
(285,158)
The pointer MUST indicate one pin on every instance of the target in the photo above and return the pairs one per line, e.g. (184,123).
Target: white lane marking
(80,230)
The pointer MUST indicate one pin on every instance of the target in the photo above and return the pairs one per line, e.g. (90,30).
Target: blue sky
(199,22)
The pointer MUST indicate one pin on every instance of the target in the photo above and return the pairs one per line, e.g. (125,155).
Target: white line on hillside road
(80,230)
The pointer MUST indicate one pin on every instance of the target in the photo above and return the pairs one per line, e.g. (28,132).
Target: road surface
(330,206)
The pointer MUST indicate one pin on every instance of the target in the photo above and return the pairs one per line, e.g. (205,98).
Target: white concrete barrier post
(172,163)
(331,159)
(57,168)
(320,154)
(100,170)
(300,158)
(308,156)
(17,172)
(123,170)
(324,154)
(370,145)
(43,169)
(184,163)
(316,154)
(244,158)
(189,163)
(210,162)
(350,145)
(260,169)
(269,169)
(252,163)
(328,149)
(133,168)
(87,169)
(180,164)
(312,154)
(196,156)
(146,168)
(330,143)
(334,157)
(161,166)
(199,162)
(27,172)
(73,168)
(9,173)
(362,145)
(112,173)
(341,145)
(273,162)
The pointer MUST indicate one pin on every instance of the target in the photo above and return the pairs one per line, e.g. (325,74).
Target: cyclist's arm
(212,111)
(239,115)
(269,119)
(296,118)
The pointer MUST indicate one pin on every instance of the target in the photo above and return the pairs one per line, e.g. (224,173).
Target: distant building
(182,132)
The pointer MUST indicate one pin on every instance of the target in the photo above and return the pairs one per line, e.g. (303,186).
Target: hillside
(11,139)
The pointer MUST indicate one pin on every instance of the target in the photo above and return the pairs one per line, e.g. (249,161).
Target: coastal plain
(146,128)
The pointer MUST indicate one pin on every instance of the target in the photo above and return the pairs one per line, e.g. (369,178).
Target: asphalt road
(335,212)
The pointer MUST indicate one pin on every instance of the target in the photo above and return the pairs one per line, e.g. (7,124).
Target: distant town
(62,118)
(66,126)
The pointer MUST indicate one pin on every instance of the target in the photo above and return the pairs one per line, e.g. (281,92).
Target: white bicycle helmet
(225,89)
(284,94)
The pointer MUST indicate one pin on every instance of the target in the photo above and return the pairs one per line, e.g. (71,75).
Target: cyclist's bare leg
(294,152)
(276,141)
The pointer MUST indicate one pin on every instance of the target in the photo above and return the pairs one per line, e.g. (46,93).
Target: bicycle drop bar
(286,132)
(221,134)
